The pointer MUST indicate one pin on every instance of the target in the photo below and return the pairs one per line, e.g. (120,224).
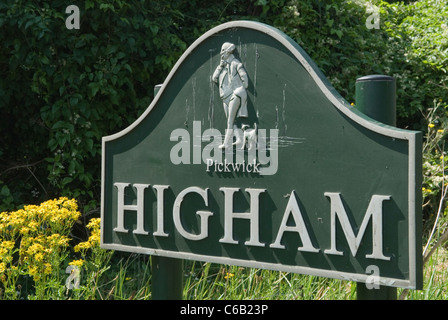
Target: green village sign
(248,156)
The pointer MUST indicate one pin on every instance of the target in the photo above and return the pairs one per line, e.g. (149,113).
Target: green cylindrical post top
(376,98)
(166,273)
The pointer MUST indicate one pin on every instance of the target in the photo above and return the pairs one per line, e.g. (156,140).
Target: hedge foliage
(61,90)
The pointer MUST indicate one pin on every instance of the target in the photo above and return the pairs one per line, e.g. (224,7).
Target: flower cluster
(94,239)
(34,242)
(42,253)
(6,254)
(53,216)
(77,263)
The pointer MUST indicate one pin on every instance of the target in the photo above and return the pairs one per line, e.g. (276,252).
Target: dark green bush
(62,90)
(411,45)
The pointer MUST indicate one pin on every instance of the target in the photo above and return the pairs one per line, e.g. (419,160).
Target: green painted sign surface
(248,156)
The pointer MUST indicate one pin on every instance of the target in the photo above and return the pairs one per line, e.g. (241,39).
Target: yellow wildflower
(57,240)
(94,239)
(48,268)
(94,223)
(77,263)
(33,225)
(82,246)
(24,230)
(33,270)
(8,244)
(431,125)
(39,256)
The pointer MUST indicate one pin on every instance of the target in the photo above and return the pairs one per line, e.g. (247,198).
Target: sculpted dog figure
(249,136)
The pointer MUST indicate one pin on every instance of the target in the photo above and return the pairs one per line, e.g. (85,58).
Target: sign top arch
(309,65)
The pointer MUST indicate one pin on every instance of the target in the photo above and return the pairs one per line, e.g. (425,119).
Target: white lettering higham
(374,213)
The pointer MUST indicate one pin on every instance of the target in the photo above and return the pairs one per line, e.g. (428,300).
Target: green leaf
(5,191)
(107,7)
(120,55)
(128,67)
(154,29)
(73,101)
(89,4)
(111,49)
(66,181)
(93,89)
(59,124)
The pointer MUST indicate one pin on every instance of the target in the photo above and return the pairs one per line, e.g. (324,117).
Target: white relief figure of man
(232,80)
